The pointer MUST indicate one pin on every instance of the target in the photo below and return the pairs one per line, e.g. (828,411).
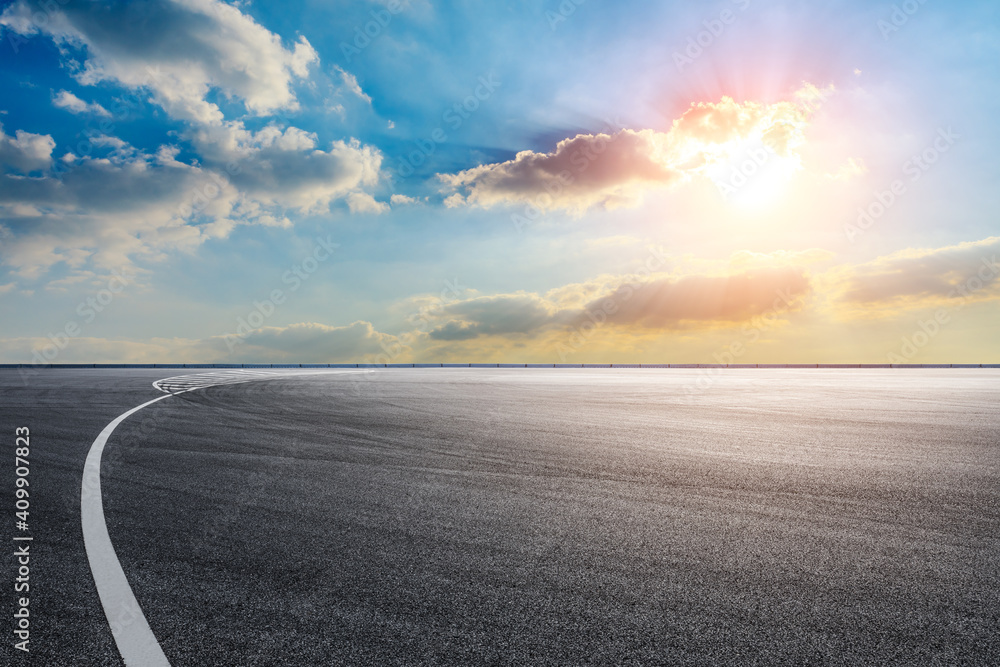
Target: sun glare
(750,174)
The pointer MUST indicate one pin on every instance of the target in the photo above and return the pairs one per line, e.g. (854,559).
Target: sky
(391,181)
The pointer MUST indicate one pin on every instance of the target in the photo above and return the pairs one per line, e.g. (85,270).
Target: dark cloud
(660,303)
(913,275)
(495,315)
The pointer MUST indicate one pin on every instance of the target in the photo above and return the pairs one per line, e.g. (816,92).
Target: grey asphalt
(524,516)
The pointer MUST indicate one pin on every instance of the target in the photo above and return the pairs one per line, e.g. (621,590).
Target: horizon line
(15,366)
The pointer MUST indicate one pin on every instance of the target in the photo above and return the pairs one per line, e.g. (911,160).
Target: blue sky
(202,148)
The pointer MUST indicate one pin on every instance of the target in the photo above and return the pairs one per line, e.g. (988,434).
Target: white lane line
(136,642)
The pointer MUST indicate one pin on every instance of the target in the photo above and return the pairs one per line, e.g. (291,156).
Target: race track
(523,516)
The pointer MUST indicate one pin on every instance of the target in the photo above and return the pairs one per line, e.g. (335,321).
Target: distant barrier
(471,365)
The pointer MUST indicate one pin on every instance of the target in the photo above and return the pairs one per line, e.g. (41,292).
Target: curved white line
(135,640)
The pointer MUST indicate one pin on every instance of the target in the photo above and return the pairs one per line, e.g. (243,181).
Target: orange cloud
(660,302)
(614,169)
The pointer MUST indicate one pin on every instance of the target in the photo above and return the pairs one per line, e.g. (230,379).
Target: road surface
(521,516)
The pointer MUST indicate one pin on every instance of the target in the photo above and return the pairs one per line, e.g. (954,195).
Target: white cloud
(317,343)
(358,342)
(26,152)
(17,211)
(361,202)
(401,200)
(116,203)
(454,201)
(180,50)
(351,84)
(121,204)
(67,100)
(286,169)
(109,209)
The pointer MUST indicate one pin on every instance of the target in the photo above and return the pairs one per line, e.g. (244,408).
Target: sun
(749,173)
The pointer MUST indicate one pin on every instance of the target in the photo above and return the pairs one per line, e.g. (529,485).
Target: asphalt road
(538,516)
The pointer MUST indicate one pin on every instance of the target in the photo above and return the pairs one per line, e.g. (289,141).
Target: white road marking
(180,383)
(200,380)
(136,642)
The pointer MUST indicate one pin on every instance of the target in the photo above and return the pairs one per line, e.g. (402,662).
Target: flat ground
(524,516)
